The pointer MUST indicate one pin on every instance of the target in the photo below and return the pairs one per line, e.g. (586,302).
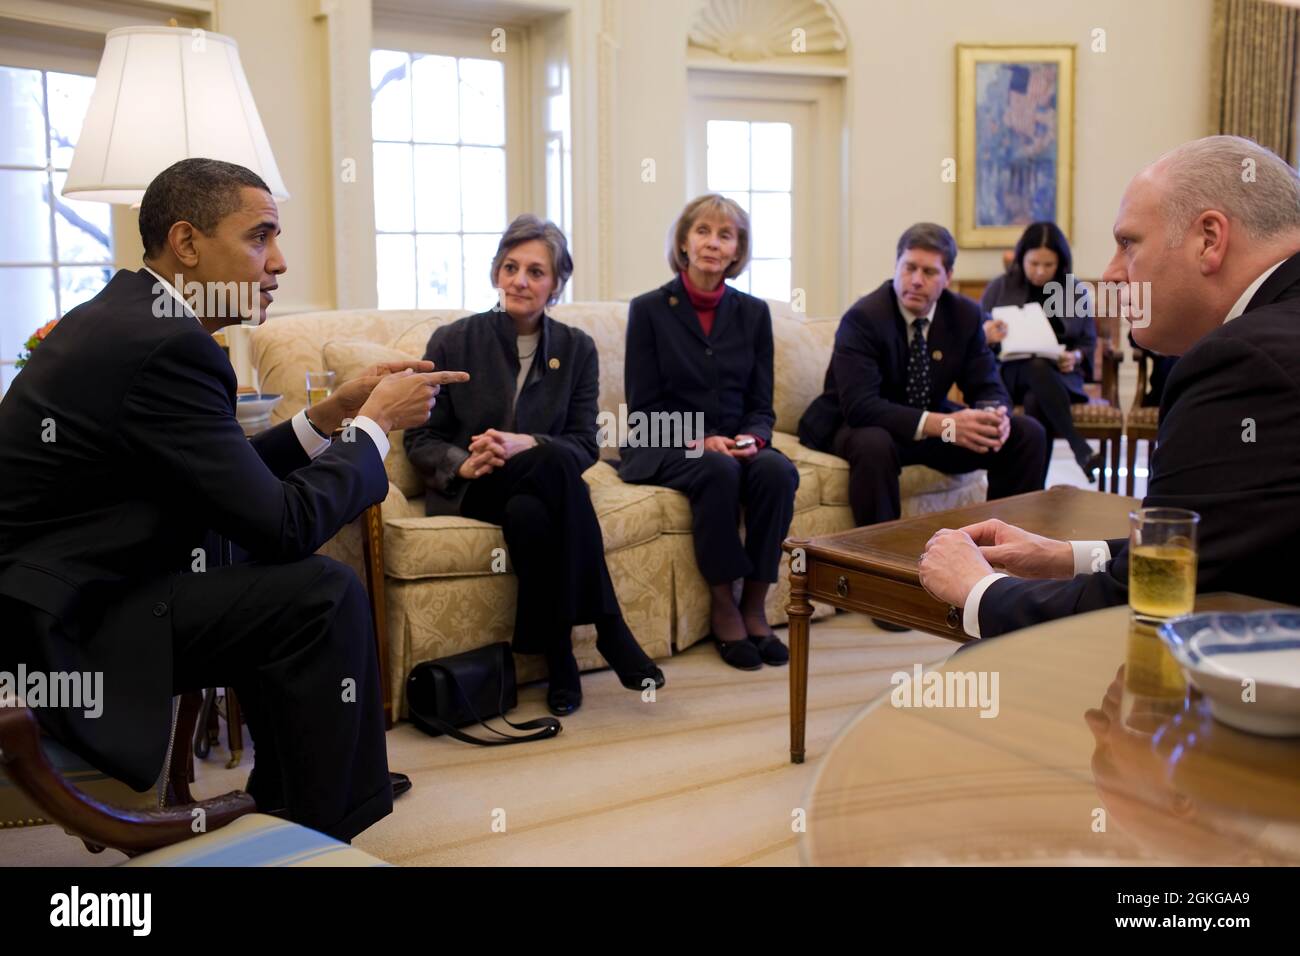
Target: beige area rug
(700,776)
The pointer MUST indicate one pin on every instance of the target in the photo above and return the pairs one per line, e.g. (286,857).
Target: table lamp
(163,94)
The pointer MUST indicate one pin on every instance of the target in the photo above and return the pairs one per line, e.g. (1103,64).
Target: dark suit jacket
(558,403)
(671,366)
(1247,492)
(866,383)
(1078,330)
(98,515)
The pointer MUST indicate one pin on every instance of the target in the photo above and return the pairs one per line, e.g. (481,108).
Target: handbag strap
(543,727)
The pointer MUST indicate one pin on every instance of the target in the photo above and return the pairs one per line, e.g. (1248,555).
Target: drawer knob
(954,617)
(842,586)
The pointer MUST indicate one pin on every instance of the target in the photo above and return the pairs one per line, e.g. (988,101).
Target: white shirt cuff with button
(314,445)
(970,615)
(1089,558)
(920,427)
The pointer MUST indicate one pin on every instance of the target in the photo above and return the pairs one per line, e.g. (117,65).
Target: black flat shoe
(562,701)
(771,649)
(637,681)
(401,783)
(740,654)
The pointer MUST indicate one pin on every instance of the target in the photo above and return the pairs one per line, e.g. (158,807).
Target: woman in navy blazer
(701,350)
(510,448)
(1042,271)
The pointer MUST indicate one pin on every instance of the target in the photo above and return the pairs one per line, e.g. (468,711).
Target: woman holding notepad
(1041,274)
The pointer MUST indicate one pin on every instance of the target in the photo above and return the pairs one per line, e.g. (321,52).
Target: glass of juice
(320,385)
(1162,563)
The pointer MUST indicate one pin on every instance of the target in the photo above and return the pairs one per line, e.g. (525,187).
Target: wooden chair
(49,784)
(1101,418)
(1143,420)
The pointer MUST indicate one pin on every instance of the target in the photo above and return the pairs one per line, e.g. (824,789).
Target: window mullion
(49,185)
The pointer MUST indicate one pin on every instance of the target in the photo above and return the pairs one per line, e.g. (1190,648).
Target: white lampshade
(163,94)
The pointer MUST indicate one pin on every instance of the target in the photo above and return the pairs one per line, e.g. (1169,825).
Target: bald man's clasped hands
(957,559)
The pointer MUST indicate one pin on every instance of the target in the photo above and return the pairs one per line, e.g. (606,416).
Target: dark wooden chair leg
(1131,455)
(1114,465)
(207,713)
(234,729)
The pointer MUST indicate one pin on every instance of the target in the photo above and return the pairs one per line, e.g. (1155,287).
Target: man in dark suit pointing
(120,451)
(1214,227)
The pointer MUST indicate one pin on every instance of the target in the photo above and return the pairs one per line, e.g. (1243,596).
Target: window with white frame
(752,163)
(55,253)
(439,130)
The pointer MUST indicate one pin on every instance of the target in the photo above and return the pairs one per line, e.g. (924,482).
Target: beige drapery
(1256,50)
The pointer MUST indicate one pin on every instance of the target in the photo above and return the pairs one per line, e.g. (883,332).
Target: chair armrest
(1110,360)
(131,831)
(1143,361)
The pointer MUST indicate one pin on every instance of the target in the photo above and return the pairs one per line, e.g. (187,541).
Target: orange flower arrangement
(36,339)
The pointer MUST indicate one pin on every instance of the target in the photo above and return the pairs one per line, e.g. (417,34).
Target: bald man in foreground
(1214,227)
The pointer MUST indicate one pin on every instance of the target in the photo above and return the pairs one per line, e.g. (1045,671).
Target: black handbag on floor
(452,692)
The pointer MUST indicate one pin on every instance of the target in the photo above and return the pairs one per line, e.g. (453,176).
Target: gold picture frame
(992,149)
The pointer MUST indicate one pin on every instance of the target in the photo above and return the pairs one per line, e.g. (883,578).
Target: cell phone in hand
(744,442)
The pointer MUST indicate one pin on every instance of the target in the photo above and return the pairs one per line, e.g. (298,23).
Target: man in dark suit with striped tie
(898,352)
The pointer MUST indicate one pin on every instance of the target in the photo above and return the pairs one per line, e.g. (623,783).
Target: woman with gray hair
(512,450)
(701,349)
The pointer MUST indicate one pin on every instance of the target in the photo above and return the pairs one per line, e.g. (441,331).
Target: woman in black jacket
(1042,271)
(701,351)
(511,447)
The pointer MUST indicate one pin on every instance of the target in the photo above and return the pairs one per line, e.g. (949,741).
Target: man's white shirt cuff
(314,445)
(1090,556)
(371,428)
(970,615)
(920,427)
(308,437)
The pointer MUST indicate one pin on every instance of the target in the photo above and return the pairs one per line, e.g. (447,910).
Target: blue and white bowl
(254,411)
(1246,665)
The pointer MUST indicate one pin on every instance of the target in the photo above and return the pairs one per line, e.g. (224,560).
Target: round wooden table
(1095,752)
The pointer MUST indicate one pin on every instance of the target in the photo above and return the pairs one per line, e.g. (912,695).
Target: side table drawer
(884,597)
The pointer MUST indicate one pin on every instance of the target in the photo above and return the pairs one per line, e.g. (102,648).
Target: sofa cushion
(802,351)
(460,547)
(833,473)
(285,347)
(351,359)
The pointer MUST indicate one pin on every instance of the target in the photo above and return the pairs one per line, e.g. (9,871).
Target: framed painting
(1015,141)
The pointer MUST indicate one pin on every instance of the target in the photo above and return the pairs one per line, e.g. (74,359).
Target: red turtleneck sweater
(706,303)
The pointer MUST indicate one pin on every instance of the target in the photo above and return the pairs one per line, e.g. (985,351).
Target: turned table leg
(799,611)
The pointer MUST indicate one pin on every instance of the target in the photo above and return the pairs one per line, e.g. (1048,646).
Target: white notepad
(1029,334)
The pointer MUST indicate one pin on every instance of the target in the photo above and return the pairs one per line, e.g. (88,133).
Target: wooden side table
(874,569)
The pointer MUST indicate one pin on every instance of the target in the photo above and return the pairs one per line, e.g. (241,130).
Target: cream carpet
(700,776)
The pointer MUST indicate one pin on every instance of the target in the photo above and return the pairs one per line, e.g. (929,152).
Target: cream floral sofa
(446,580)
